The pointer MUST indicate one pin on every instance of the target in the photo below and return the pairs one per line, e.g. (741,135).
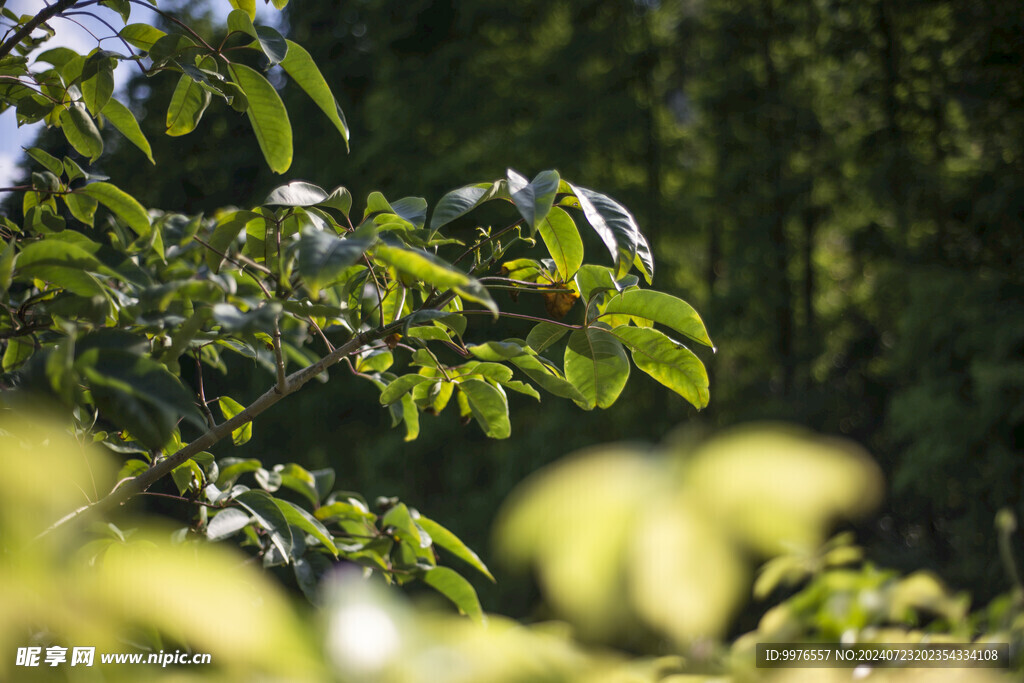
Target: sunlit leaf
(188,102)
(268,117)
(227,523)
(443,538)
(614,224)
(296,193)
(303,70)
(596,364)
(662,308)
(453,586)
(533,198)
(230,407)
(323,257)
(81,132)
(670,363)
(141,36)
(489,406)
(121,203)
(563,241)
(124,121)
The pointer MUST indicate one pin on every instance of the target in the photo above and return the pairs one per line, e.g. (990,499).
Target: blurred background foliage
(645,554)
(838,186)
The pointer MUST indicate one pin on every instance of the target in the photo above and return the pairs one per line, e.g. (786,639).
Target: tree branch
(133,487)
(44,15)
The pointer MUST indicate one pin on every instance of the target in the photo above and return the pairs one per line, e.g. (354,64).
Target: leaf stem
(181,499)
(521,316)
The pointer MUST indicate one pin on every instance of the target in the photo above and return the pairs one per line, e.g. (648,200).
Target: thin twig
(521,316)
(282,380)
(182,500)
(210,422)
(327,342)
(173,19)
(237,264)
(486,240)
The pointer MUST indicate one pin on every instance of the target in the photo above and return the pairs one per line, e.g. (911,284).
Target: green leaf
(188,476)
(563,241)
(430,269)
(248,5)
(132,468)
(303,70)
(596,364)
(544,335)
(453,586)
(522,388)
(644,260)
(137,393)
(268,117)
(667,361)
(18,350)
(124,121)
(122,7)
(227,523)
(662,308)
(97,88)
(496,351)
(64,264)
(232,468)
(460,202)
(83,208)
(614,224)
(405,528)
(548,378)
(400,387)
(533,199)
(298,517)
(299,479)
(188,103)
(443,538)
(270,516)
(240,21)
(323,482)
(121,203)
(272,44)
(296,193)
(411,418)
(340,199)
(230,407)
(6,267)
(50,163)
(225,233)
(81,132)
(45,182)
(489,406)
(323,257)
(58,56)
(141,36)
(592,280)
(169,47)
(233,319)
